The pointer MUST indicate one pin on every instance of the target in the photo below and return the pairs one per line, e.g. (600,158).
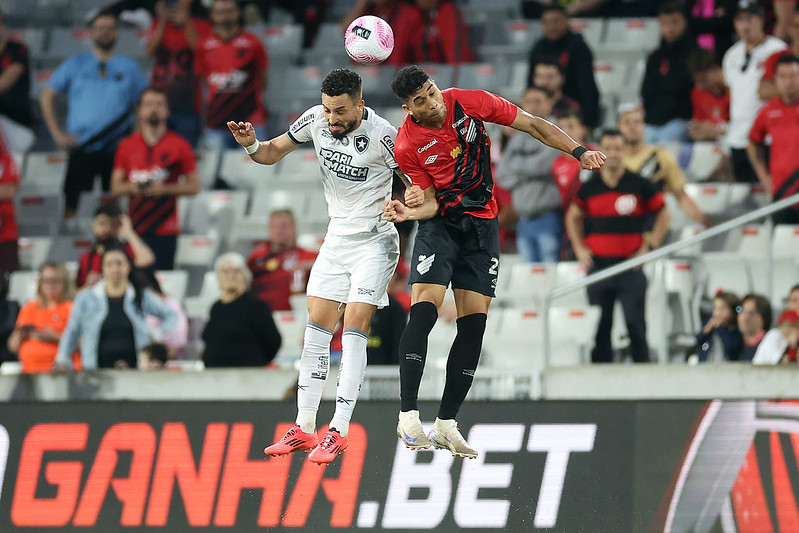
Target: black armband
(579,151)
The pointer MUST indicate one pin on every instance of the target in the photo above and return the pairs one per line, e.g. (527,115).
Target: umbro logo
(430,160)
(425,263)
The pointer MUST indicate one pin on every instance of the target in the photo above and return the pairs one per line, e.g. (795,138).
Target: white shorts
(356,268)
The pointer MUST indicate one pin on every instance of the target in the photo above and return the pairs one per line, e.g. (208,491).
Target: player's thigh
(470,302)
(325,313)
(434,254)
(428,292)
(371,260)
(477,266)
(329,279)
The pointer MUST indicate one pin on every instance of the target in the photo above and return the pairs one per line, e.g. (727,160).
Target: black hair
(110,209)
(610,132)
(152,90)
(732,302)
(157,351)
(762,306)
(549,63)
(670,8)
(701,60)
(151,281)
(343,81)
(102,13)
(786,60)
(408,80)
(137,277)
(540,89)
(553,7)
(794,288)
(571,113)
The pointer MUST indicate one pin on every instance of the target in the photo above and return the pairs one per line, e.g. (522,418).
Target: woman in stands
(754,320)
(240,329)
(109,318)
(720,339)
(42,321)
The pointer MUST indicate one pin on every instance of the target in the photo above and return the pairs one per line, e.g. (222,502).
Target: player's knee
(423,317)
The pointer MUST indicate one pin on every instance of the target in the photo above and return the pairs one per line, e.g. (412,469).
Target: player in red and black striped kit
(154,166)
(608,222)
(444,148)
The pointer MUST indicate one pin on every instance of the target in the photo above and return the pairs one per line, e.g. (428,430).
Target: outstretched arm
(266,152)
(553,136)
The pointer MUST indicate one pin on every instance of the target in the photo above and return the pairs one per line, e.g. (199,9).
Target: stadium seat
(215,212)
(38,215)
(632,34)
(485,76)
(505,40)
(377,84)
(705,157)
(173,283)
(518,340)
(264,201)
(66,249)
(725,272)
(302,165)
(196,254)
(712,198)
(590,29)
(567,272)
(443,75)
(291,325)
(680,284)
(753,241)
(22,285)
(33,38)
(785,275)
(611,76)
(283,42)
(786,241)
(572,332)
(200,305)
(44,172)
(208,166)
(241,172)
(33,251)
(525,284)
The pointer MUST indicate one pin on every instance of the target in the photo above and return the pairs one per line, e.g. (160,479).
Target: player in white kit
(355,147)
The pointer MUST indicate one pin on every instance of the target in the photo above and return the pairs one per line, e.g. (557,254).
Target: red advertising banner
(543,466)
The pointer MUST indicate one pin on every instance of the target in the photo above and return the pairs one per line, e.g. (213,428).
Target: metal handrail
(629,264)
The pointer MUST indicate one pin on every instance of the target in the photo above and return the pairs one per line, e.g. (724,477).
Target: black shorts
(464,253)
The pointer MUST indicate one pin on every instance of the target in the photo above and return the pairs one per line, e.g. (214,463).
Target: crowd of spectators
(724,71)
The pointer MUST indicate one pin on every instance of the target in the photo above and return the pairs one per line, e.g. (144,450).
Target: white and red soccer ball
(369,40)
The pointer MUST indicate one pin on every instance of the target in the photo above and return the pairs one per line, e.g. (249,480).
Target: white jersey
(357,170)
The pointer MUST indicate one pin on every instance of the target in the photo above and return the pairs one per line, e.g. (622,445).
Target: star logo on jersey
(361,143)
(430,160)
(425,263)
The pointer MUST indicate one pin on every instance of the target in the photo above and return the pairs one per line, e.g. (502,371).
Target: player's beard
(349,127)
(154,120)
(106,46)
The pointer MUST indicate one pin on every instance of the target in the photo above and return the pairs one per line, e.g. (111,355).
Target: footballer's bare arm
(267,152)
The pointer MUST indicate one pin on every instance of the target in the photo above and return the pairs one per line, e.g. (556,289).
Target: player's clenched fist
(592,160)
(394,211)
(414,196)
(244,132)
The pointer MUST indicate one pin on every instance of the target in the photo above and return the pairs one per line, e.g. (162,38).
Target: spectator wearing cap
(568,50)
(666,89)
(779,344)
(743,70)
(754,319)
(778,120)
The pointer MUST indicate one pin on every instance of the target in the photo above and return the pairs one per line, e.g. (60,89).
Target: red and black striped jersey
(456,158)
(616,218)
(92,261)
(233,71)
(169,159)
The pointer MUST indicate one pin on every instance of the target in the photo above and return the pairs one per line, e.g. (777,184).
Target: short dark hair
(540,89)
(610,132)
(110,209)
(670,8)
(570,112)
(343,81)
(102,13)
(553,7)
(794,288)
(408,80)
(786,60)
(157,351)
(549,63)
(151,90)
(762,306)
(701,60)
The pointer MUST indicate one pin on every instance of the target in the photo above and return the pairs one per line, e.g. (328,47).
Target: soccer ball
(369,40)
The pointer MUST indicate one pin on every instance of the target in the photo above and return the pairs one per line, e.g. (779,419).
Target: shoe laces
(328,441)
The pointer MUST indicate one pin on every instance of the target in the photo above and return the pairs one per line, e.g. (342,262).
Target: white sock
(350,376)
(314,365)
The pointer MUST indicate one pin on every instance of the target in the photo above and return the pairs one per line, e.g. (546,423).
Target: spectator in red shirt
(174,37)
(439,34)
(9,231)
(710,98)
(154,166)
(767,89)
(233,63)
(279,267)
(111,229)
(779,119)
(568,173)
(399,15)
(607,224)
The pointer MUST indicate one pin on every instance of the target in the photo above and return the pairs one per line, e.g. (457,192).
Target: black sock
(461,364)
(413,352)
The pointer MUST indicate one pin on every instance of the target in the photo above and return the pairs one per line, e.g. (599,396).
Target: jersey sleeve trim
(293,139)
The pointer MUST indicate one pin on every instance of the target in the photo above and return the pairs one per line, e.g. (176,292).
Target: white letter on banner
(3,456)
(404,513)
(558,440)
(470,511)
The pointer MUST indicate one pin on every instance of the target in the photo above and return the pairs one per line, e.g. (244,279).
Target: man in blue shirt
(101,88)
